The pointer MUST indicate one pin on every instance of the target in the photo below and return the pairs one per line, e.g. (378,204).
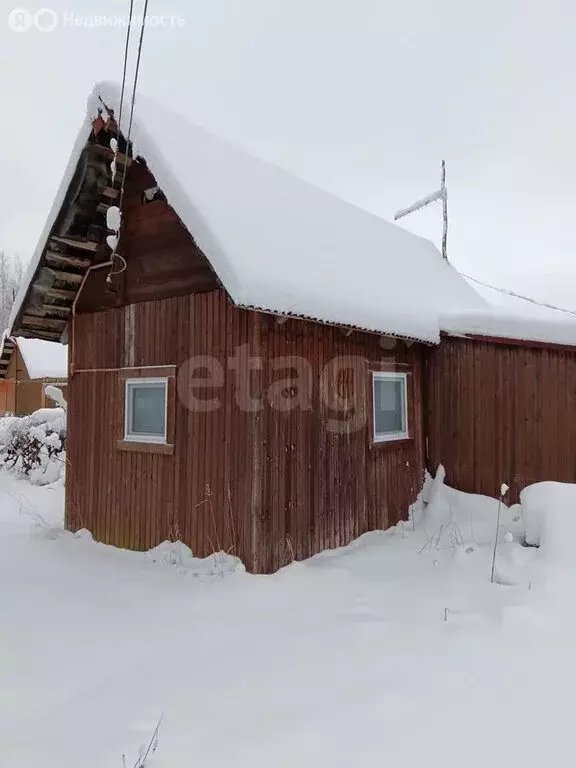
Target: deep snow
(396,650)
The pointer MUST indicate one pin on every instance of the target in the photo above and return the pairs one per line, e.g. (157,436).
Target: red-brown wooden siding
(20,395)
(269,486)
(501,413)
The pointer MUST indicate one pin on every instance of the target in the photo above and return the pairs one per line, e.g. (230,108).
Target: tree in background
(11,273)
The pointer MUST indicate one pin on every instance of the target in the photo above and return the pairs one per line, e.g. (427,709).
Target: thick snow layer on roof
(44,359)
(81,140)
(280,244)
(512,317)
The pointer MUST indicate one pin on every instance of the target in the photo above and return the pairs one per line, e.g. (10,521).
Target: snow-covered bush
(35,446)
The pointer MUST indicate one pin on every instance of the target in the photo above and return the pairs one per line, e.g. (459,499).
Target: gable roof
(279,244)
(282,245)
(43,359)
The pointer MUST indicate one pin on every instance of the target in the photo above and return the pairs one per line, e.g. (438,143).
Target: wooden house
(26,367)
(259,369)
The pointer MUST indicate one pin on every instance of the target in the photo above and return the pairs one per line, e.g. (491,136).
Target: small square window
(390,399)
(145,410)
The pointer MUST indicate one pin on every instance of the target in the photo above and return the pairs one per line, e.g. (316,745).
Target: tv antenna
(439,194)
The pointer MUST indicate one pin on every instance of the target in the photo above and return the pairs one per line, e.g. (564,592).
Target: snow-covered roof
(44,359)
(282,245)
(59,199)
(513,317)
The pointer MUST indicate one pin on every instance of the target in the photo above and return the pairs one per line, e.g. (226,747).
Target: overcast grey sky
(363,97)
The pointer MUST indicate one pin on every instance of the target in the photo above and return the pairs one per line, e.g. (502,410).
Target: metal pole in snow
(444,211)
(503,492)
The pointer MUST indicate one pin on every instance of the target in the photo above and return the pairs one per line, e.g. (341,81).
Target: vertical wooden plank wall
(133,499)
(501,413)
(268,485)
(322,489)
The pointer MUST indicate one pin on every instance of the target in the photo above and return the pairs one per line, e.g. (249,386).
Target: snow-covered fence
(35,446)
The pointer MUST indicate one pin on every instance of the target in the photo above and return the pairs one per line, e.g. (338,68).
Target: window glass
(146,409)
(390,411)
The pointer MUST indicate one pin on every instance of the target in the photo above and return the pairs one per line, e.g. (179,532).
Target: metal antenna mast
(439,194)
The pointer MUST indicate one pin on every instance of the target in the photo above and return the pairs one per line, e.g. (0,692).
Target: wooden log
(38,311)
(40,334)
(53,309)
(59,293)
(106,152)
(85,245)
(56,259)
(43,322)
(98,125)
(68,277)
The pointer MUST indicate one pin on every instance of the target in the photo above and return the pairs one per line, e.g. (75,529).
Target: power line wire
(118,127)
(122,186)
(124,73)
(508,292)
(137,72)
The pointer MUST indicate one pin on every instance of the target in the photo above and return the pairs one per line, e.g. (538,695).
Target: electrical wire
(119,123)
(114,272)
(519,295)
(137,72)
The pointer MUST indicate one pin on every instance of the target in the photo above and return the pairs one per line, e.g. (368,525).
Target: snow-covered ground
(394,651)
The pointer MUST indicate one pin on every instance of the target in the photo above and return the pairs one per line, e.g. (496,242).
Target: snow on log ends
(113,218)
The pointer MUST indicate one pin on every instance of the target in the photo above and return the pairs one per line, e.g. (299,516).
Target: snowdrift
(34,446)
(549,510)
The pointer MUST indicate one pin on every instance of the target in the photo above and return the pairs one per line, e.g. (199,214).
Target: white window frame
(387,376)
(133,437)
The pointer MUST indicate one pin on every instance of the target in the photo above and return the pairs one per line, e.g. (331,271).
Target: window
(146,403)
(390,398)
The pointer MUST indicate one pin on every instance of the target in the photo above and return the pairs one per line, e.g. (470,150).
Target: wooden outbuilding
(501,410)
(26,367)
(258,369)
